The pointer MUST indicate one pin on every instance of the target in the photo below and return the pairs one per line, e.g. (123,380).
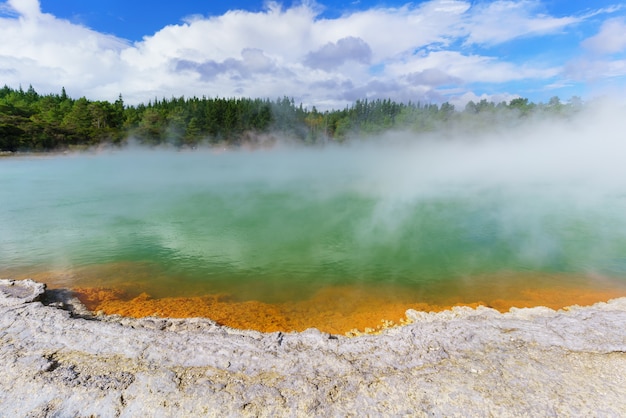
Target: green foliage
(30,121)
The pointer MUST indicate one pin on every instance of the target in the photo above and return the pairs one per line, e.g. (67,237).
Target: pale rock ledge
(59,360)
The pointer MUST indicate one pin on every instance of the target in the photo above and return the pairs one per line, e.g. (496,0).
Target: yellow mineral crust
(350,310)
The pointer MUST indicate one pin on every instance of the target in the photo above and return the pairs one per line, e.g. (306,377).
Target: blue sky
(324,53)
(133,19)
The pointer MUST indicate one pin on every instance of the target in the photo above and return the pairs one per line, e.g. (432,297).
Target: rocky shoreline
(59,360)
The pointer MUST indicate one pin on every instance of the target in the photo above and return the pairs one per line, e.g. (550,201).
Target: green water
(197,222)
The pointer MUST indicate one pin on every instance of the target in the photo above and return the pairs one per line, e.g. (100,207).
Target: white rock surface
(463,362)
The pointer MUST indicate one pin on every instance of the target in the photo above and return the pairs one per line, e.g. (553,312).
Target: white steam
(552,191)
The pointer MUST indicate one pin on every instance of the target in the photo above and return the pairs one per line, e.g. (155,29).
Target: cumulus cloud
(432,77)
(418,52)
(333,55)
(253,61)
(37,48)
(25,8)
(467,68)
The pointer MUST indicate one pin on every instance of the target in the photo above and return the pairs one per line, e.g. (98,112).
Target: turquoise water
(300,219)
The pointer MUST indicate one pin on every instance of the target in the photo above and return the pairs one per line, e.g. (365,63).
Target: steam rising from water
(545,197)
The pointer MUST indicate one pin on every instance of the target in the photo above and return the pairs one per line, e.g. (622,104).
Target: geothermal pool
(337,237)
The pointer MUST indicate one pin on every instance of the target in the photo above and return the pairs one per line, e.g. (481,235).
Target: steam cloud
(542,195)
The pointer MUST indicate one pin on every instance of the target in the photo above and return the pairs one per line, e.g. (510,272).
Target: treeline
(33,122)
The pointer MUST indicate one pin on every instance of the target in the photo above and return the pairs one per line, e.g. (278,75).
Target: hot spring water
(431,223)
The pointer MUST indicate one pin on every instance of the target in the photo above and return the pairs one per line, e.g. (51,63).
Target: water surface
(421,223)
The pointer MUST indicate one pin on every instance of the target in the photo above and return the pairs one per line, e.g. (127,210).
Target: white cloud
(407,53)
(26,8)
(432,77)
(610,39)
(470,68)
(37,48)
(605,58)
(253,61)
(585,69)
(333,55)
(501,21)
(461,100)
